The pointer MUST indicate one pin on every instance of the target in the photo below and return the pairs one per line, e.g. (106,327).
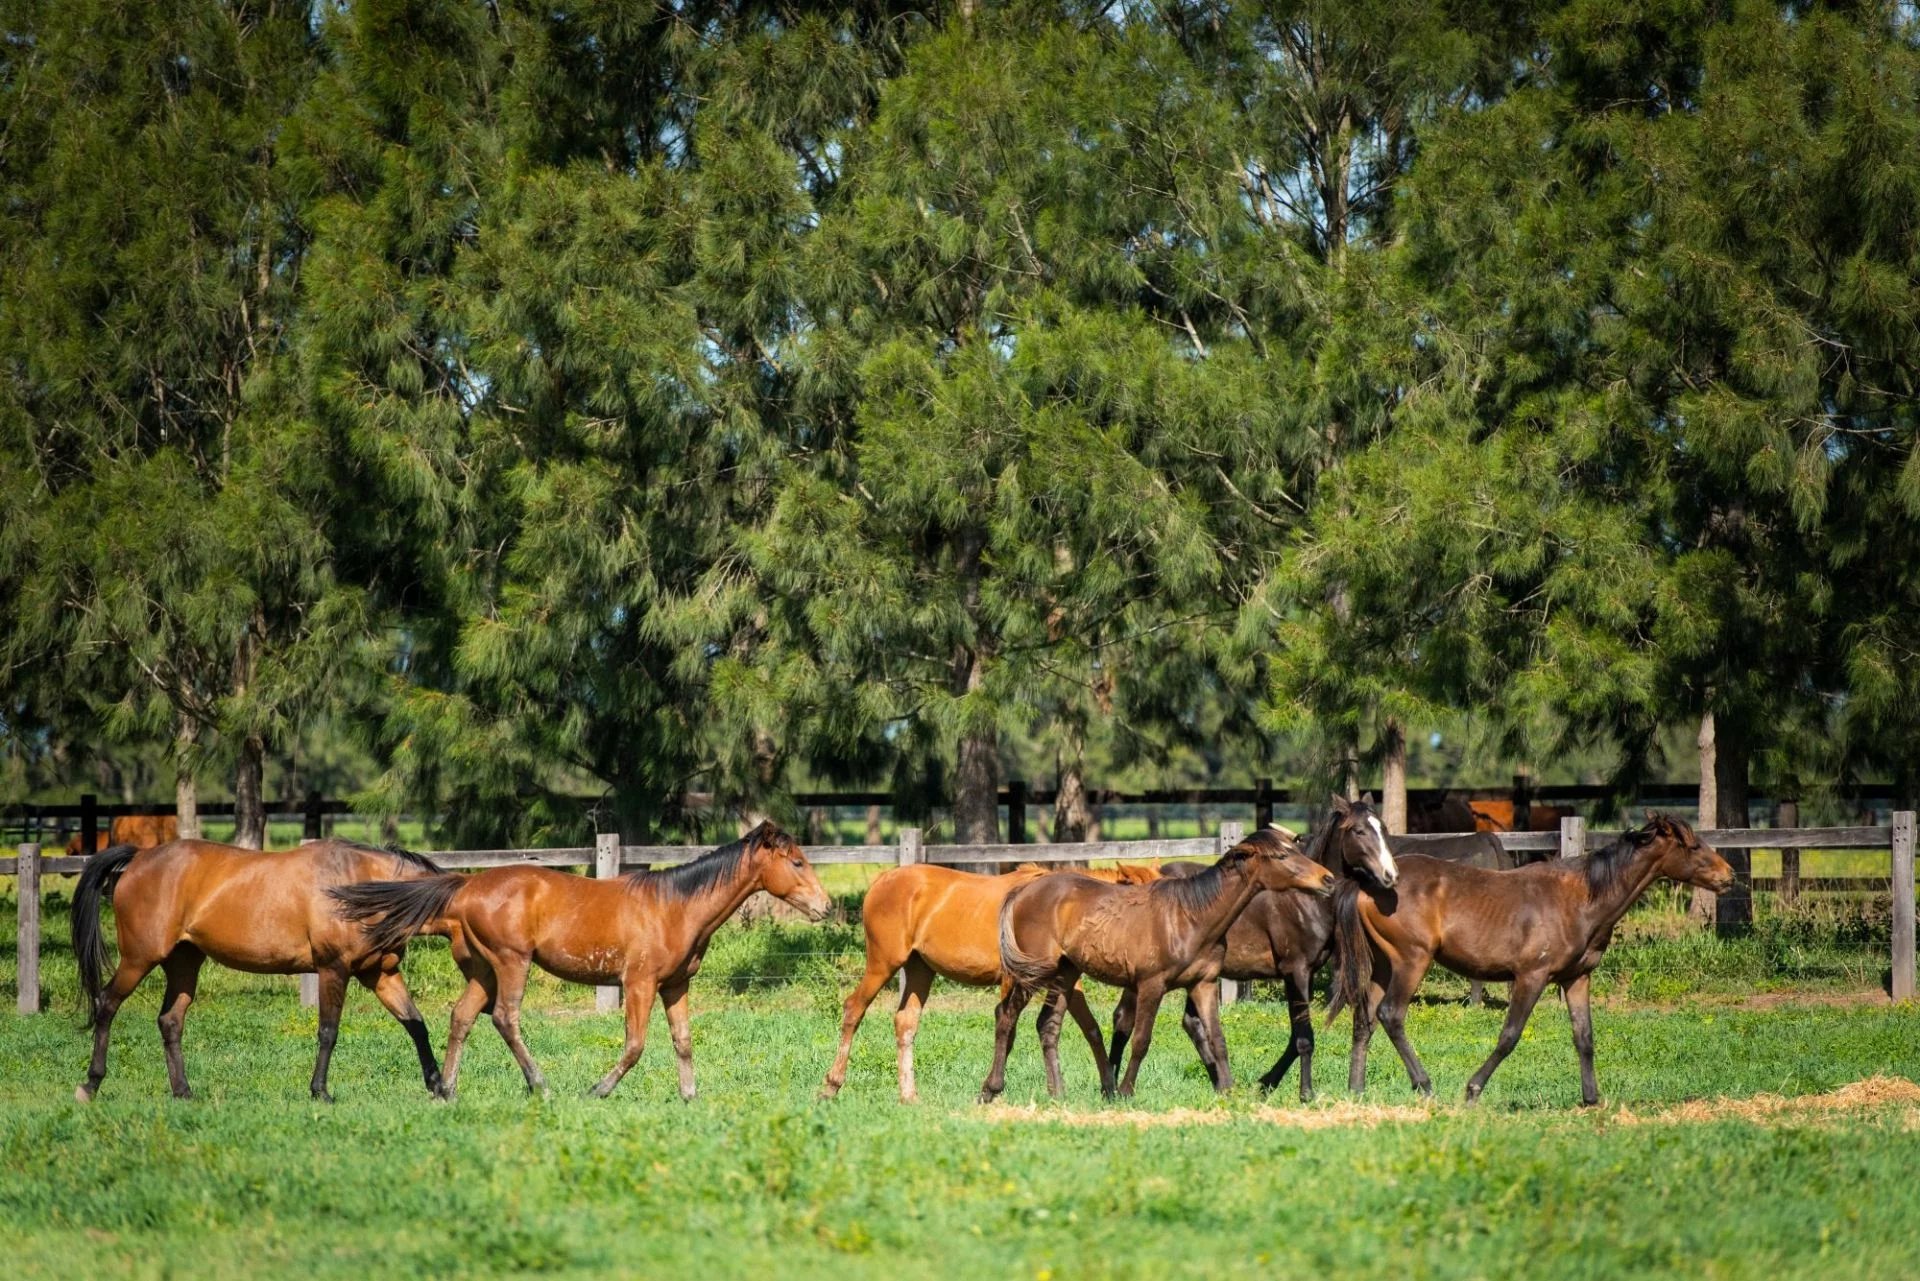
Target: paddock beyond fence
(608,858)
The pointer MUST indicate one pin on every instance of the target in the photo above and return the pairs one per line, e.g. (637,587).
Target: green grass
(757,1177)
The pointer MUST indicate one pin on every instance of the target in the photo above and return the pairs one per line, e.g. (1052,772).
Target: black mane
(687,880)
(1197,892)
(1606,867)
(396,850)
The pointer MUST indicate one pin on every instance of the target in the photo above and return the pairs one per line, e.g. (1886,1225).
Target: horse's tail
(97,880)
(391,912)
(1027,972)
(1352,952)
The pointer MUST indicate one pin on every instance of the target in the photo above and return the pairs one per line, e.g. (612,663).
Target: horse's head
(1680,855)
(1278,862)
(785,872)
(1361,841)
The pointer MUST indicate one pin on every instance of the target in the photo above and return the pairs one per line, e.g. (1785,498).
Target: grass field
(1692,1168)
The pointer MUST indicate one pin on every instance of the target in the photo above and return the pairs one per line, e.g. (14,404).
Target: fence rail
(607,857)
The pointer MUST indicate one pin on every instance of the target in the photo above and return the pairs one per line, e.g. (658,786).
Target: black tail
(97,880)
(1352,952)
(391,912)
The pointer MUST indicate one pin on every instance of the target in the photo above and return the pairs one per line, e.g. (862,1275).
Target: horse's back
(950,918)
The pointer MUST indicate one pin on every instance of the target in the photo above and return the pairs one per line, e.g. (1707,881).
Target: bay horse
(1145,937)
(1286,935)
(1545,923)
(178,904)
(931,920)
(646,930)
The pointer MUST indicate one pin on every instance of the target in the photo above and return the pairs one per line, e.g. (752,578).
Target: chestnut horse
(142,831)
(647,931)
(933,920)
(1546,923)
(1144,937)
(180,903)
(1287,936)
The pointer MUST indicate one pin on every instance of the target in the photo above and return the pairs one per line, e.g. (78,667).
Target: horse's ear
(1340,804)
(1367,800)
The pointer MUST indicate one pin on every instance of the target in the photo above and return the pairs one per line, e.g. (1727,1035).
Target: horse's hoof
(1306,1096)
(987,1096)
(83,1094)
(910,1097)
(321,1096)
(688,1096)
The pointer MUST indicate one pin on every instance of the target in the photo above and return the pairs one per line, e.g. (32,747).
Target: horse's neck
(1217,917)
(1622,892)
(709,910)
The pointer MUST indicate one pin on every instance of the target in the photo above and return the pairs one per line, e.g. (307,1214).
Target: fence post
(606,866)
(1903,925)
(1016,811)
(1231,834)
(314,820)
(1788,815)
(1262,804)
(27,885)
(89,824)
(1573,836)
(911,851)
(1522,803)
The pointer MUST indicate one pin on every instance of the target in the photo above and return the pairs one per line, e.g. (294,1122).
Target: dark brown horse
(925,920)
(1286,935)
(1547,923)
(180,903)
(1148,938)
(647,931)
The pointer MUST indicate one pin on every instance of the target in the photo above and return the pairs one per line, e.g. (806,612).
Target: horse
(1145,937)
(178,904)
(142,831)
(1545,923)
(1287,936)
(933,920)
(646,930)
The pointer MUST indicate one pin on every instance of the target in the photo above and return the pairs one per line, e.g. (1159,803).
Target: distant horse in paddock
(646,931)
(1145,937)
(1287,936)
(267,913)
(142,831)
(933,920)
(1549,922)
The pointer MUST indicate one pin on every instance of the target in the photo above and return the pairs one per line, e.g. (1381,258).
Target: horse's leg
(1203,1004)
(1006,1021)
(1526,990)
(879,970)
(1083,1015)
(333,998)
(391,991)
(1364,1009)
(1407,973)
(680,1028)
(1196,1030)
(477,997)
(510,978)
(126,977)
(1146,1006)
(1580,1012)
(183,980)
(1300,1043)
(1122,1029)
(916,980)
(639,989)
(1046,1025)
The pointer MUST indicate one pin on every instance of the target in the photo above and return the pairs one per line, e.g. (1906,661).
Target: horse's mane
(1606,867)
(688,880)
(400,852)
(1197,892)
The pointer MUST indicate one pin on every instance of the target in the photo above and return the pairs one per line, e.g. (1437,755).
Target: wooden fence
(608,858)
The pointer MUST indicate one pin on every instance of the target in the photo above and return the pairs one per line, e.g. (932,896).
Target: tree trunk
(1724,803)
(186,788)
(1071,816)
(249,803)
(1393,783)
(976,789)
